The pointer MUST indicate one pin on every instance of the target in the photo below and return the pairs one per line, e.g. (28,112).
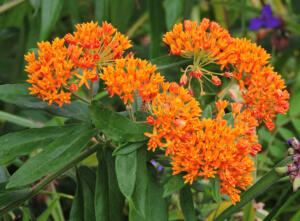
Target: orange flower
(98,45)
(50,73)
(218,149)
(130,76)
(266,96)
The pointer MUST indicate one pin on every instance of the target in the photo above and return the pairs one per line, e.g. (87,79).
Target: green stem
(35,190)
(136,25)
(91,91)
(81,98)
(58,194)
(9,5)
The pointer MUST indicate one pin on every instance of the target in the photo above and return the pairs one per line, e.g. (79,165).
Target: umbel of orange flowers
(207,147)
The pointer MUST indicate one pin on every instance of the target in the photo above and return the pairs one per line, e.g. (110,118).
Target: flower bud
(216,80)
(73,87)
(150,120)
(198,74)
(183,80)
(191,92)
(228,74)
(293,142)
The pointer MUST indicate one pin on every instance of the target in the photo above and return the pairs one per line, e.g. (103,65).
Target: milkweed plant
(170,144)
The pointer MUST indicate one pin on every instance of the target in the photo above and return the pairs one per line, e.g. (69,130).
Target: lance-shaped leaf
(53,157)
(116,126)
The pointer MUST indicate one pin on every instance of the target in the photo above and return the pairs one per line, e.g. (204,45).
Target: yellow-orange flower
(131,76)
(50,73)
(99,45)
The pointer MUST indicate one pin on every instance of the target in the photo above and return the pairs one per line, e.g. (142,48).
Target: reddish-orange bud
(150,120)
(191,92)
(228,74)
(198,74)
(270,125)
(94,78)
(173,87)
(183,80)
(73,87)
(216,80)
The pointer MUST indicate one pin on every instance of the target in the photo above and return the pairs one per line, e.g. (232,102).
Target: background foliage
(124,179)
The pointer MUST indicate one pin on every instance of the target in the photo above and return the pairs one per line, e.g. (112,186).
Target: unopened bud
(228,74)
(191,92)
(216,80)
(198,74)
(281,170)
(293,142)
(296,184)
(183,80)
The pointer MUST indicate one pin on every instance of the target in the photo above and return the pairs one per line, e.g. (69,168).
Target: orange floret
(99,45)
(50,73)
(132,76)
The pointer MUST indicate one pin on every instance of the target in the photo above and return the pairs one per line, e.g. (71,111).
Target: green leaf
(83,204)
(116,126)
(258,188)
(229,118)
(157,25)
(249,212)
(19,120)
(126,172)
(54,156)
(49,16)
(45,215)
(121,12)
(216,189)
(277,149)
(296,124)
(207,113)
(187,204)
(11,196)
(173,184)
(24,142)
(294,104)
(128,148)
(173,9)
(19,94)
(139,196)
(286,133)
(157,208)
(109,200)
(4,175)
(102,9)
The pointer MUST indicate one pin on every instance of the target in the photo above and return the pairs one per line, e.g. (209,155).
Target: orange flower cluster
(60,69)
(262,89)
(130,75)
(208,39)
(98,45)
(50,73)
(207,147)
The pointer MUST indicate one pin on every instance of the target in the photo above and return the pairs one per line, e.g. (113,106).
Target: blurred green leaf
(286,133)
(294,104)
(55,155)
(207,113)
(277,149)
(258,188)
(187,204)
(173,184)
(50,11)
(121,11)
(83,204)
(139,196)
(157,25)
(215,184)
(249,212)
(116,126)
(126,149)
(109,200)
(173,9)
(4,175)
(229,118)
(19,120)
(295,6)
(296,124)
(11,196)
(126,172)
(24,142)
(102,9)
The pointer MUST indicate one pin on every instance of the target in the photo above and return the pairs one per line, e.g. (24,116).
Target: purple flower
(157,166)
(265,20)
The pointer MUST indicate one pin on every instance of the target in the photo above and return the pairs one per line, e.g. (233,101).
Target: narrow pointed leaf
(173,184)
(186,204)
(126,172)
(128,148)
(54,156)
